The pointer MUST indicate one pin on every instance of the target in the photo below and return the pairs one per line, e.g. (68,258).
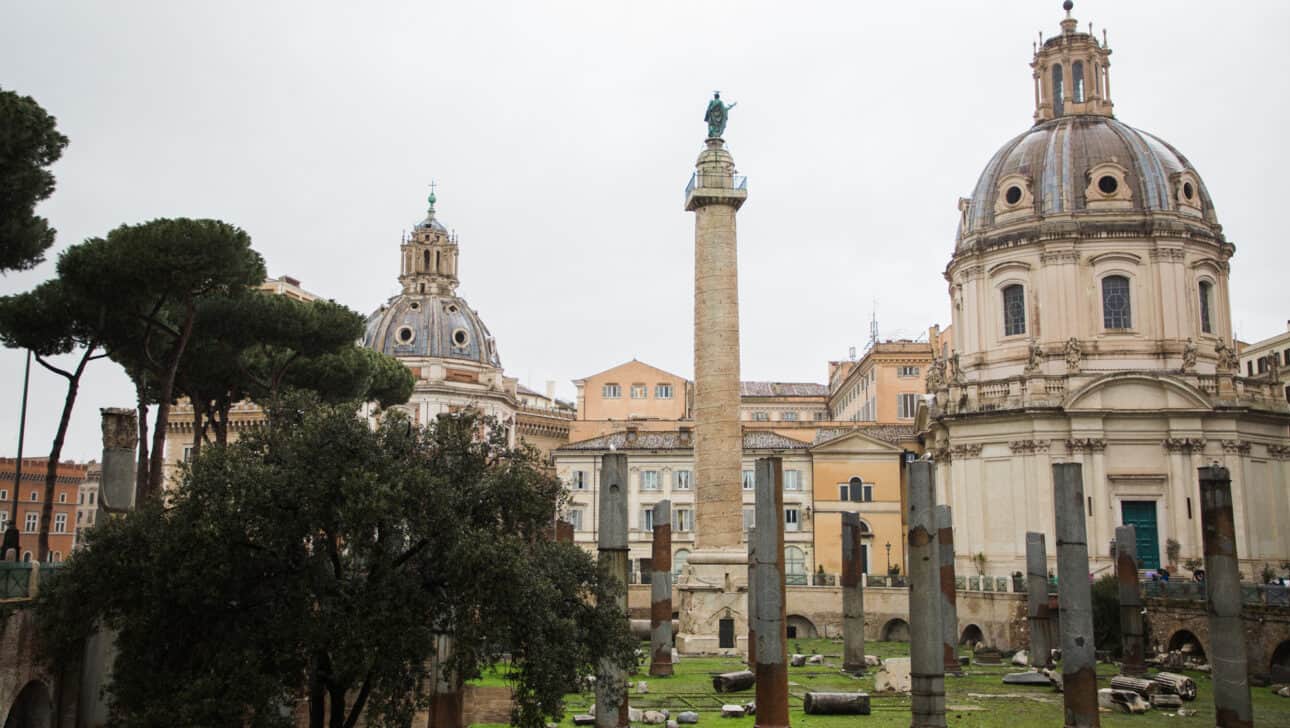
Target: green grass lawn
(979,698)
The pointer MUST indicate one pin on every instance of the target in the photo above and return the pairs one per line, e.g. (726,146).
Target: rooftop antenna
(873,325)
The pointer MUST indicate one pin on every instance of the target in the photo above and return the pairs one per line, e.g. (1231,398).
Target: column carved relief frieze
(1087,444)
(965,451)
(1029,446)
(1280,452)
(1183,444)
(1236,447)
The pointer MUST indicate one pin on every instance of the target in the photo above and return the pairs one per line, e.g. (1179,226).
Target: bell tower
(1072,73)
(429,256)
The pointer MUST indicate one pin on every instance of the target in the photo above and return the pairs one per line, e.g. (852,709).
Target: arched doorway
(1189,644)
(33,708)
(972,634)
(800,628)
(896,630)
(1280,667)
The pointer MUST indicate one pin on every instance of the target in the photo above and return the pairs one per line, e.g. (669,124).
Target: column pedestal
(713,587)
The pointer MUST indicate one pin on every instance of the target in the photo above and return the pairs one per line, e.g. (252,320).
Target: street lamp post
(888,557)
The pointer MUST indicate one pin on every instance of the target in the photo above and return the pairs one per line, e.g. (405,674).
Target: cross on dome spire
(1071,73)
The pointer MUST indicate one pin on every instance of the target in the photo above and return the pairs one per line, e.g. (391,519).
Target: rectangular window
(36,496)
(1014,310)
(792,480)
(908,406)
(80,499)
(907,371)
(684,480)
(80,516)
(4,520)
(789,416)
(62,497)
(761,417)
(639,391)
(91,497)
(611,391)
(187,457)
(575,517)
(844,492)
(578,480)
(1249,368)
(1205,325)
(4,494)
(647,519)
(683,519)
(750,517)
(1116,308)
(60,523)
(792,519)
(33,519)
(821,416)
(662,391)
(866,493)
(649,480)
(750,482)
(1263,368)
(1285,357)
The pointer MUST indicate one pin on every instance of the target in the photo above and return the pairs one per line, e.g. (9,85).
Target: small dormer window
(1189,192)
(405,335)
(460,338)
(1108,188)
(1107,184)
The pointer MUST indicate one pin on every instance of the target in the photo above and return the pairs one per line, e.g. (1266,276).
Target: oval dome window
(1013,195)
(405,335)
(460,337)
(1188,192)
(1108,184)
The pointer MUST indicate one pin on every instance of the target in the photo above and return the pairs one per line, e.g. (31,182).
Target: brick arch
(32,708)
(895,630)
(1279,664)
(802,628)
(972,634)
(1183,637)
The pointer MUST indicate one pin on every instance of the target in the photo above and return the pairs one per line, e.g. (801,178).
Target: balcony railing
(716,181)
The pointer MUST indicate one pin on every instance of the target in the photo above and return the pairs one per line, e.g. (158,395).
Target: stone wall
(1266,629)
(1001,616)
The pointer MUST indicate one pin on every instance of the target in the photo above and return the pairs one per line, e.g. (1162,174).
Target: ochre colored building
(30,493)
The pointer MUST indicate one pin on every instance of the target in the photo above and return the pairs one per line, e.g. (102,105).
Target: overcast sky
(562,136)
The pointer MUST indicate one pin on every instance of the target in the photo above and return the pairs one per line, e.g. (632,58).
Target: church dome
(430,325)
(1084,163)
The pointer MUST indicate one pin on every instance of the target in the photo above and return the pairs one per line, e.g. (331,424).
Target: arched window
(1057,90)
(1014,310)
(794,565)
(1116,309)
(436,261)
(425,260)
(1077,81)
(1205,323)
(678,562)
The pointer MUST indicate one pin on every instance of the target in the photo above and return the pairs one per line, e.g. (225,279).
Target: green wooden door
(1142,516)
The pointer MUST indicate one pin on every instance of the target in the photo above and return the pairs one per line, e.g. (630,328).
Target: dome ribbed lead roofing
(1056,157)
(430,326)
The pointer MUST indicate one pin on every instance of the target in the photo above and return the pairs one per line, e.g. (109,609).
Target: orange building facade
(30,494)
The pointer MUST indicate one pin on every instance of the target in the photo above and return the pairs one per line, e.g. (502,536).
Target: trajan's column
(713,606)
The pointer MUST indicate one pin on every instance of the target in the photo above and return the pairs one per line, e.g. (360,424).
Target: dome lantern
(429,256)
(1072,73)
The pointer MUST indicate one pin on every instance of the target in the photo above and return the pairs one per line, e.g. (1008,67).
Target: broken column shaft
(1126,574)
(1038,615)
(949,597)
(1232,705)
(660,592)
(611,680)
(927,660)
(1079,663)
(852,595)
(770,629)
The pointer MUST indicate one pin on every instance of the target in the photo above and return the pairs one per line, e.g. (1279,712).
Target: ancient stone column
(949,596)
(1079,658)
(611,680)
(752,601)
(770,628)
(1232,705)
(1038,615)
(852,595)
(714,196)
(660,592)
(1132,640)
(927,659)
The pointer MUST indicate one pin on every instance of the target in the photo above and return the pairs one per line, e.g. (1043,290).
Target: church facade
(1091,323)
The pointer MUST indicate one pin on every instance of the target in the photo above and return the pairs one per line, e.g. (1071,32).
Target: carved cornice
(975,270)
(1059,256)
(1236,447)
(1087,444)
(965,451)
(1183,444)
(1029,446)
(1168,254)
(1281,452)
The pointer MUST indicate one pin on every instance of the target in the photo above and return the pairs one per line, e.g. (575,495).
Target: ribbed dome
(1053,165)
(431,326)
